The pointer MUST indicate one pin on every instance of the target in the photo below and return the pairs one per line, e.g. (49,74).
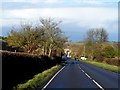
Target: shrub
(99,58)
(19,67)
(112,61)
(109,52)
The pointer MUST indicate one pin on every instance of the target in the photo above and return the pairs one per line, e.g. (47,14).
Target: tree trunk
(50,50)
(45,49)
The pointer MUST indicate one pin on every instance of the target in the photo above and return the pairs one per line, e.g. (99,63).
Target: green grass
(104,66)
(38,79)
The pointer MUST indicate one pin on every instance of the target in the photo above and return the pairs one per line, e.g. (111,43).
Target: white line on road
(98,84)
(79,67)
(91,78)
(88,75)
(53,78)
(82,71)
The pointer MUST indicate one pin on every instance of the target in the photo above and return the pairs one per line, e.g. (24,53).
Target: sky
(77,16)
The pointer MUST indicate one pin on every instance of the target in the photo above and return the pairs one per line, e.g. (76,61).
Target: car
(77,59)
(83,58)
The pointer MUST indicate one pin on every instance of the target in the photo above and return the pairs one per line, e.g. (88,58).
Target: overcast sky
(77,15)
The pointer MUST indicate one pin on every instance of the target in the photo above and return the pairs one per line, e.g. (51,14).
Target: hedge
(20,67)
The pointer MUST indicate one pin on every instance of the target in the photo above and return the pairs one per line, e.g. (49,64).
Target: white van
(83,58)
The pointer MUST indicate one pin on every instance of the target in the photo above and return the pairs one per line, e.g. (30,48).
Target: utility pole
(84,45)
(84,50)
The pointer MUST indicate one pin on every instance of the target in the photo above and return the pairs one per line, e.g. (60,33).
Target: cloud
(78,17)
(73,13)
(18,1)
(51,1)
(33,1)
(30,4)
(81,16)
(92,2)
(10,22)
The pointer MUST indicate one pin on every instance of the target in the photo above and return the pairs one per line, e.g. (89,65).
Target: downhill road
(82,75)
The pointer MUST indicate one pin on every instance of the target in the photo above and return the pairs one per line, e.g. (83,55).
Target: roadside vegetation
(39,79)
(109,67)
(30,49)
(42,39)
(23,66)
(36,48)
(98,50)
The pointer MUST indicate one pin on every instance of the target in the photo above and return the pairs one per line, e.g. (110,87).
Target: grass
(38,79)
(104,66)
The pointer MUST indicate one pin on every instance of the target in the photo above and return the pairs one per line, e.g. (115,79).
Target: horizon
(77,16)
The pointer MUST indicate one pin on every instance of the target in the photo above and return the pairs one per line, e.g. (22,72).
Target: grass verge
(38,79)
(104,66)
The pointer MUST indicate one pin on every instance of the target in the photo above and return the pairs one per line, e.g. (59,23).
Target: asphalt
(82,75)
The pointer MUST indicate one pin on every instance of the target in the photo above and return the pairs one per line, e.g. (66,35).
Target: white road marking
(79,67)
(53,78)
(88,75)
(91,79)
(98,84)
(82,71)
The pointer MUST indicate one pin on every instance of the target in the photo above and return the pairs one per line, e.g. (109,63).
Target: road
(82,75)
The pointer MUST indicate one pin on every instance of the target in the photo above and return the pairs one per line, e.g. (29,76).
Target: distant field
(77,44)
(104,66)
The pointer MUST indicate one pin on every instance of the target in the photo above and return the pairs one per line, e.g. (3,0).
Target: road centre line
(91,79)
(82,71)
(79,67)
(88,75)
(98,84)
(53,78)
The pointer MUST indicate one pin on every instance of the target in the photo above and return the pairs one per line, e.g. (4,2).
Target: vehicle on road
(83,58)
(77,59)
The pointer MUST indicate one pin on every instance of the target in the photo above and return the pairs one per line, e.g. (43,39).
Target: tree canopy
(95,38)
(45,37)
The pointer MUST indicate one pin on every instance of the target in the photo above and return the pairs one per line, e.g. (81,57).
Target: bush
(20,67)
(99,58)
(109,52)
(112,61)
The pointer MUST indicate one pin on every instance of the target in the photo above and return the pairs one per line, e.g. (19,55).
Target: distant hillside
(77,44)
(82,43)
(77,48)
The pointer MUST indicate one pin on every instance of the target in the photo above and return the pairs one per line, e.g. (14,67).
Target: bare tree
(47,36)
(26,38)
(95,38)
(53,36)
